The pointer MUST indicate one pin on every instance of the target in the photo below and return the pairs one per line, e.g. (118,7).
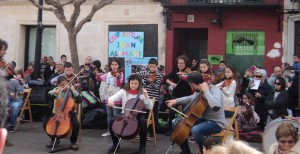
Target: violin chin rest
(215,108)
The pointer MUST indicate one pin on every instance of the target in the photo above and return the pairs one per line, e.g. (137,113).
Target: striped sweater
(153,89)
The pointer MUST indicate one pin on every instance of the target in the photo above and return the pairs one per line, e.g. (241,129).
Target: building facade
(241,32)
(19,20)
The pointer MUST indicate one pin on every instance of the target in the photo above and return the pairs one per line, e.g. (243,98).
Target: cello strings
(117,145)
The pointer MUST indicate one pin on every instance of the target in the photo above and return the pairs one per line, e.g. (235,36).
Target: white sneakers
(106,134)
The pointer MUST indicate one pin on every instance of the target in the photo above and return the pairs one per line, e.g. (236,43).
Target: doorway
(191,42)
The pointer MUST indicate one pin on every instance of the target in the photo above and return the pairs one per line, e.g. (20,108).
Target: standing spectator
(180,87)
(88,60)
(277,73)
(293,89)
(94,85)
(296,65)
(43,64)
(59,69)
(50,68)
(63,59)
(260,95)
(247,80)
(277,102)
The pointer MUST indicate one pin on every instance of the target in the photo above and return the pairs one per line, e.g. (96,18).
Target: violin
(221,77)
(206,78)
(117,73)
(126,125)
(7,68)
(151,77)
(226,83)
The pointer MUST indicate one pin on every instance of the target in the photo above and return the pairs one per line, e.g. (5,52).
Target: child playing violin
(114,80)
(59,93)
(131,90)
(152,80)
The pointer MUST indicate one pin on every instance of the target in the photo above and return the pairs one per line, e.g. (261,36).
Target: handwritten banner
(126,44)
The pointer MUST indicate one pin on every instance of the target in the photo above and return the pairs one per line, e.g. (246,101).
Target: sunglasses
(258,76)
(277,83)
(284,141)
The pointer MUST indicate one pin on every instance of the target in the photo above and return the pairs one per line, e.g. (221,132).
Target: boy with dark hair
(296,65)
(152,80)
(221,68)
(59,93)
(63,58)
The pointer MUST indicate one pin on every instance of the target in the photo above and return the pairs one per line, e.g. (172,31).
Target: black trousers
(142,125)
(74,122)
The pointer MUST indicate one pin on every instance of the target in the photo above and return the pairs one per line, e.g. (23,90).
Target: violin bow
(71,80)
(177,111)
(7,66)
(123,108)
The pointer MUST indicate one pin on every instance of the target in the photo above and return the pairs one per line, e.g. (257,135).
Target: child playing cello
(131,90)
(58,93)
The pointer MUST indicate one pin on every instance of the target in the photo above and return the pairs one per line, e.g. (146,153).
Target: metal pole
(38,43)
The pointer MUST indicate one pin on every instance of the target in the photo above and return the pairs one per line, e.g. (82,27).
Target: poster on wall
(134,65)
(126,44)
(215,59)
(245,43)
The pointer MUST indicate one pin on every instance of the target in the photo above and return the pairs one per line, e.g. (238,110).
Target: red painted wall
(233,19)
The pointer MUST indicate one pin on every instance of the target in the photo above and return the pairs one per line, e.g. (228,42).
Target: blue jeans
(14,110)
(201,128)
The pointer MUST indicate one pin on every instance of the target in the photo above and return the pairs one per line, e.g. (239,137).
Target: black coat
(48,72)
(260,107)
(279,106)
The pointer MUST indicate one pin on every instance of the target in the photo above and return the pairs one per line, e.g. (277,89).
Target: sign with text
(245,43)
(126,44)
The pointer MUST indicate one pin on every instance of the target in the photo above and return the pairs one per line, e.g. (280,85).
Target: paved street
(33,140)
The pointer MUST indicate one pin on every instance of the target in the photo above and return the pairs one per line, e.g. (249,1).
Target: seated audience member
(287,140)
(247,118)
(277,102)
(15,102)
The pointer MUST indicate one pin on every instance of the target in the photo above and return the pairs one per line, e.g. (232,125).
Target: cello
(183,129)
(126,125)
(59,126)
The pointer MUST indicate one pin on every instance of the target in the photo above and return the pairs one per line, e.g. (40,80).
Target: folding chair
(228,131)
(150,121)
(26,106)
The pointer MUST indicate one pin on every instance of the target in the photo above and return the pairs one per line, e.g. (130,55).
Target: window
(48,43)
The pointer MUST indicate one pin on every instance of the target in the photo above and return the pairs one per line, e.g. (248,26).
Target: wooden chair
(79,115)
(26,106)
(228,131)
(150,121)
